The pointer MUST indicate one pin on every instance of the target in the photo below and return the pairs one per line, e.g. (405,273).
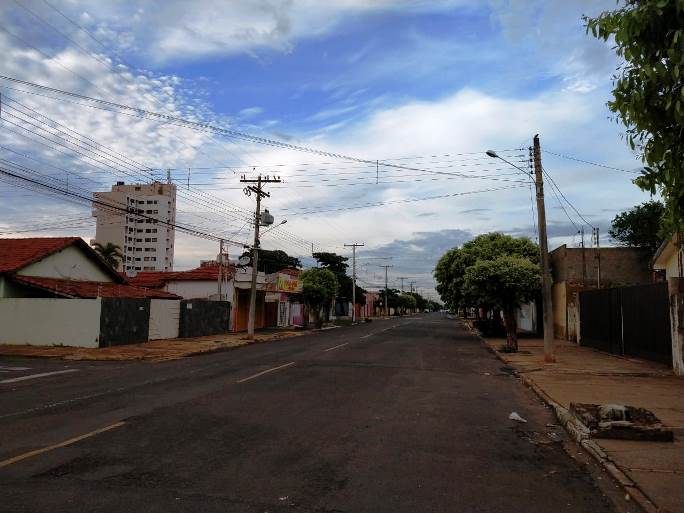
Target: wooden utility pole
(549,349)
(386,298)
(258,190)
(353,246)
(598,257)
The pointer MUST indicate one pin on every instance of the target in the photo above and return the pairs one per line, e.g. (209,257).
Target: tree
(505,282)
(319,289)
(338,265)
(451,268)
(639,227)
(271,261)
(648,96)
(406,301)
(110,253)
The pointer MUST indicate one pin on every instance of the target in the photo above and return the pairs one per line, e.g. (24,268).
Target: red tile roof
(16,254)
(91,289)
(157,279)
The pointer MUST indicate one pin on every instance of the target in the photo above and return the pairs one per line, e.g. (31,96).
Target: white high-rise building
(145,233)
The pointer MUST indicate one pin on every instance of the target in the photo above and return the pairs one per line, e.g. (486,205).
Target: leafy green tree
(110,253)
(451,268)
(506,282)
(648,96)
(339,266)
(319,289)
(271,261)
(406,301)
(421,302)
(639,227)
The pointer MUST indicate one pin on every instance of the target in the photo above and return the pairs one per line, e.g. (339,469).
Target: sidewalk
(651,472)
(154,351)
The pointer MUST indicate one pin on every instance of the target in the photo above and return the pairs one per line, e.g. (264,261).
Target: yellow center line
(335,347)
(31,454)
(264,372)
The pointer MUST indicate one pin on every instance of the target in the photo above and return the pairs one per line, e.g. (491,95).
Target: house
(58,290)
(203,283)
(577,269)
(284,305)
(668,259)
(61,267)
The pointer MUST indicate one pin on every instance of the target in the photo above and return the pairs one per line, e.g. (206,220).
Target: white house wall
(47,322)
(67,264)
(199,289)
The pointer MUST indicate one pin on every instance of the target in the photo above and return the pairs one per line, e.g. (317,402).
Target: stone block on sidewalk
(621,422)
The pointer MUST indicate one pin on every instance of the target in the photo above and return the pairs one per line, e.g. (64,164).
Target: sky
(408,95)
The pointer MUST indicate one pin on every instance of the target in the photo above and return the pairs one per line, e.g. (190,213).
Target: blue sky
(431,85)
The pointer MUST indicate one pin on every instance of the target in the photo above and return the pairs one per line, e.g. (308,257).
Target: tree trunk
(511,329)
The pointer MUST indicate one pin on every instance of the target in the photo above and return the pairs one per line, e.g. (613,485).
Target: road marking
(34,376)
(2,367)
(335,347)
(264,372)
(369,335)
(31,454)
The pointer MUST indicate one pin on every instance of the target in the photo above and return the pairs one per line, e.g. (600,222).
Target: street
(402,415)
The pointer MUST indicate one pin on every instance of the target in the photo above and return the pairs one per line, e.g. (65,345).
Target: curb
(580,434)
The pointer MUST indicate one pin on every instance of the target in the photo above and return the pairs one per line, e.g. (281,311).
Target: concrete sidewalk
(155,351)
(651,472)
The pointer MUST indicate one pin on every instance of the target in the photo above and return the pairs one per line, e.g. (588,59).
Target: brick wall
(619,266)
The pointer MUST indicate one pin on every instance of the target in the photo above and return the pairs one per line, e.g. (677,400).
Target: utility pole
(260,193)
(220,269)
(549,349)
(353,246)
(598,257)
(584,260)
(386,298)
(411,284)
(402,278)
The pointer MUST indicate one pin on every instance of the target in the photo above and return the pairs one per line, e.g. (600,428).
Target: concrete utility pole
(411,284)
(549,349)
(220,269)
(353,246)
(402,278)
(258,190)
(386,299)
(598,257)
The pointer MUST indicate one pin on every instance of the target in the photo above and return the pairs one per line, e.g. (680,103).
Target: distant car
(426,311)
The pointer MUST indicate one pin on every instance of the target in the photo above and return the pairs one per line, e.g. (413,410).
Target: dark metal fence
(629,321)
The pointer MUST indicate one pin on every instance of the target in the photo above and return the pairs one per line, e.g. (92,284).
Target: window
(137,188)
(140,230)
(154,239)
(155,211)
(147,239)
(138,240)
(154,259)
(137,259)
(154,230)
(138,249)
(138,269)
(147,259)
(149,202)
(149,211)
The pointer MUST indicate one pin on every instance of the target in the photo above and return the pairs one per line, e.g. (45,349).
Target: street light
(273,227)
(549,349)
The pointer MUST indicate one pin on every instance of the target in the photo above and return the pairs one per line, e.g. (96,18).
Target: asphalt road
(407,415)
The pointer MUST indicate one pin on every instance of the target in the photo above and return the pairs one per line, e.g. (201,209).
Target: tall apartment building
(142,233)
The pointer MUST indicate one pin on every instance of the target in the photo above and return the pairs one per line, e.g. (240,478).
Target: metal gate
(629,321)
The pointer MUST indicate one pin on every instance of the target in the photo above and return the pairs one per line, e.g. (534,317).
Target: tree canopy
(110,253)
(506,282)
(648,96)
(339,266)
(319,289)
(271,261)
(639,227)
(451,267)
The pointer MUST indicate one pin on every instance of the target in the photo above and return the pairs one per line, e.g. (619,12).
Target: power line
(568,157)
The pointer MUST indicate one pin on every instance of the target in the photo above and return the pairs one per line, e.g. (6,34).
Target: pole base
(549,358)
